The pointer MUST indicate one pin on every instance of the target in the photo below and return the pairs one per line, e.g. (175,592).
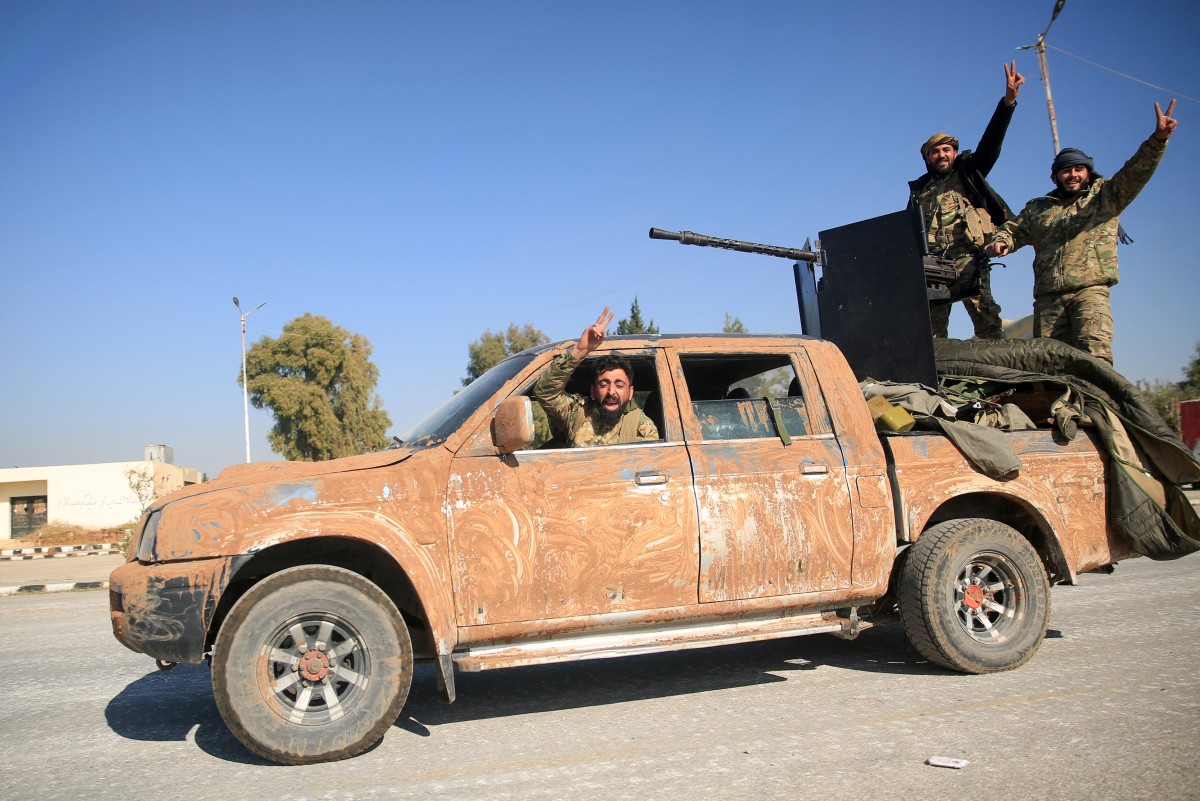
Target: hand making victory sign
(593,335)
(1165,124)
(1012,83)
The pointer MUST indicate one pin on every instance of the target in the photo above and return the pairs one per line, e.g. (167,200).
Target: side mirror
(512,425)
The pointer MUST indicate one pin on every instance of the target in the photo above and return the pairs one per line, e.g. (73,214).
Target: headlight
(148,538)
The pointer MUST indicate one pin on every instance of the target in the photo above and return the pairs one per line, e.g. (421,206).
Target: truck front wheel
(974,596)
(313,664)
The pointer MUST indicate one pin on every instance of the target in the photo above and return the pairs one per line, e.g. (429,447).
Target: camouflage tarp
(1156,516)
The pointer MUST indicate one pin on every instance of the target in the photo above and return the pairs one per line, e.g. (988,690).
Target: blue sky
(421,172)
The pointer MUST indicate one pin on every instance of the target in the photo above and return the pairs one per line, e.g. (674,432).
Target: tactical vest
(952,224)
(627,429)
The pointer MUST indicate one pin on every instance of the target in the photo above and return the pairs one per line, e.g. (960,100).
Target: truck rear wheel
(312,665)
(974,596)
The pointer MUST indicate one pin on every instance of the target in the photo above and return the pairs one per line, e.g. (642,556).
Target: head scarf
(1070,157)
(934,141)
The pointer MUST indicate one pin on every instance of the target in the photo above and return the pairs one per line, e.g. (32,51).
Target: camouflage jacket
(581,417)
(1074,235)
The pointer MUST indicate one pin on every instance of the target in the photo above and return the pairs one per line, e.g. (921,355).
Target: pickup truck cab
(312,587)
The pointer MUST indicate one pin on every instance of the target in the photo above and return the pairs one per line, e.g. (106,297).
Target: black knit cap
(1070,157)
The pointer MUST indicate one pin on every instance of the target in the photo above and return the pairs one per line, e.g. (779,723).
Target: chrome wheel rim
(989,598)
(316,668)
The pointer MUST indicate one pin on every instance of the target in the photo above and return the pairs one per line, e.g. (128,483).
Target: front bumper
(165,610)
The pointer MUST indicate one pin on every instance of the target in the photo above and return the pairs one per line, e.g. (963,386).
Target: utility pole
(245,390)
(1041,54)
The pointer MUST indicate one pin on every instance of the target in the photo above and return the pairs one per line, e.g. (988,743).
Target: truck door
(771,483)
(559,532)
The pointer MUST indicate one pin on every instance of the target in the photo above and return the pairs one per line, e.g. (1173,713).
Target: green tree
(733,325)
(319,382)
(493,347)
(633,324)
(1165,396)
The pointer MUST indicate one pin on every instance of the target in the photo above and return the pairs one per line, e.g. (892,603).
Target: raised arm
(988,151)
(550,389)
(1120,190)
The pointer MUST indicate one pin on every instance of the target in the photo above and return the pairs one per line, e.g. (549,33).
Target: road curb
(59,551)
(30,589)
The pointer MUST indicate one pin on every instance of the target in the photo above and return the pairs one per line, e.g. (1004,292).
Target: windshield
(445,419)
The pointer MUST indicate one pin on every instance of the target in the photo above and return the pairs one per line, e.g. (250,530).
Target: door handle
(646,477)
(814,469)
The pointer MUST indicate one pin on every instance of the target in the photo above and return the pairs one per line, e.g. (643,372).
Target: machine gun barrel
(692,238)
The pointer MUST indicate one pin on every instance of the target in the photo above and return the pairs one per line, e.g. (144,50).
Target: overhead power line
(1172,92)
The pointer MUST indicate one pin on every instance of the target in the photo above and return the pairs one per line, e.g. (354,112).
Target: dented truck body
(312,587)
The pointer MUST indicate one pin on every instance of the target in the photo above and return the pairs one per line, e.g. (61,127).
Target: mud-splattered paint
(504,549)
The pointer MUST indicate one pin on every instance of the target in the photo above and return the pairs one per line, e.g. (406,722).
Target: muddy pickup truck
(313,587)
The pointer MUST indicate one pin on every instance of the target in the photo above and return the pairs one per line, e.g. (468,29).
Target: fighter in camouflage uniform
(610,415)
(961,210)
(1073,231)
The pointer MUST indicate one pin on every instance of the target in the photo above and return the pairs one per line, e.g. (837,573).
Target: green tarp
(1149,462)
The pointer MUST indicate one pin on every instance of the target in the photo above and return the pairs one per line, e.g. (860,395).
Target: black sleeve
(988,152)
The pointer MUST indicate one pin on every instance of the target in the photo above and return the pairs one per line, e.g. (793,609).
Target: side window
(741,396)
(552,433)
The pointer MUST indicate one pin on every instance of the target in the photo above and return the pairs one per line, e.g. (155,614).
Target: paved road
(1108,709)
(60,570)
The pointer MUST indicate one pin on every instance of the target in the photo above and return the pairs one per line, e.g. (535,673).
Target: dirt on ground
(70,535)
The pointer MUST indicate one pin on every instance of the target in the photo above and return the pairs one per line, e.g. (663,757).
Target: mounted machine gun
(873,294)
(939,271)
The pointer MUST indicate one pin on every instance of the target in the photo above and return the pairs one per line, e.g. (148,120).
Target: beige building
(106,495)
(1019,329)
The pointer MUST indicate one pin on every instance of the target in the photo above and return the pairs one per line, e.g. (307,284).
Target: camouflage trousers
(983,310)
(1081,318)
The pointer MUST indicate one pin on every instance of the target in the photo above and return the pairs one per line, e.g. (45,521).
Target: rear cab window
(737,396)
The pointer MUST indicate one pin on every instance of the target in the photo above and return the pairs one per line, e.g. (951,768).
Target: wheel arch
(403,571)
(1012,511)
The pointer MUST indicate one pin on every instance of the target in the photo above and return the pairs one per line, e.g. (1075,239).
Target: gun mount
(872,297)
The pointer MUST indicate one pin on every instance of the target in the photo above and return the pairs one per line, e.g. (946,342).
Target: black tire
(276,686)
(974,596)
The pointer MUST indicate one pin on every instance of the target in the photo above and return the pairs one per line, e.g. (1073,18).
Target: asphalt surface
(56,573)
(1107,710)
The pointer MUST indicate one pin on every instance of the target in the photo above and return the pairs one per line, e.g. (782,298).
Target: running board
(606,645)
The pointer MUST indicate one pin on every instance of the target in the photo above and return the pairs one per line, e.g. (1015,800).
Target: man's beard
(1062,188)
(605,414)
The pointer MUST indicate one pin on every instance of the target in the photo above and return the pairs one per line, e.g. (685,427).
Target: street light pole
(1040,45)
(245,389)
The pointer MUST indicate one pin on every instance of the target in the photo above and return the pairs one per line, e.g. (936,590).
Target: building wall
(91,495)
(1019,329)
